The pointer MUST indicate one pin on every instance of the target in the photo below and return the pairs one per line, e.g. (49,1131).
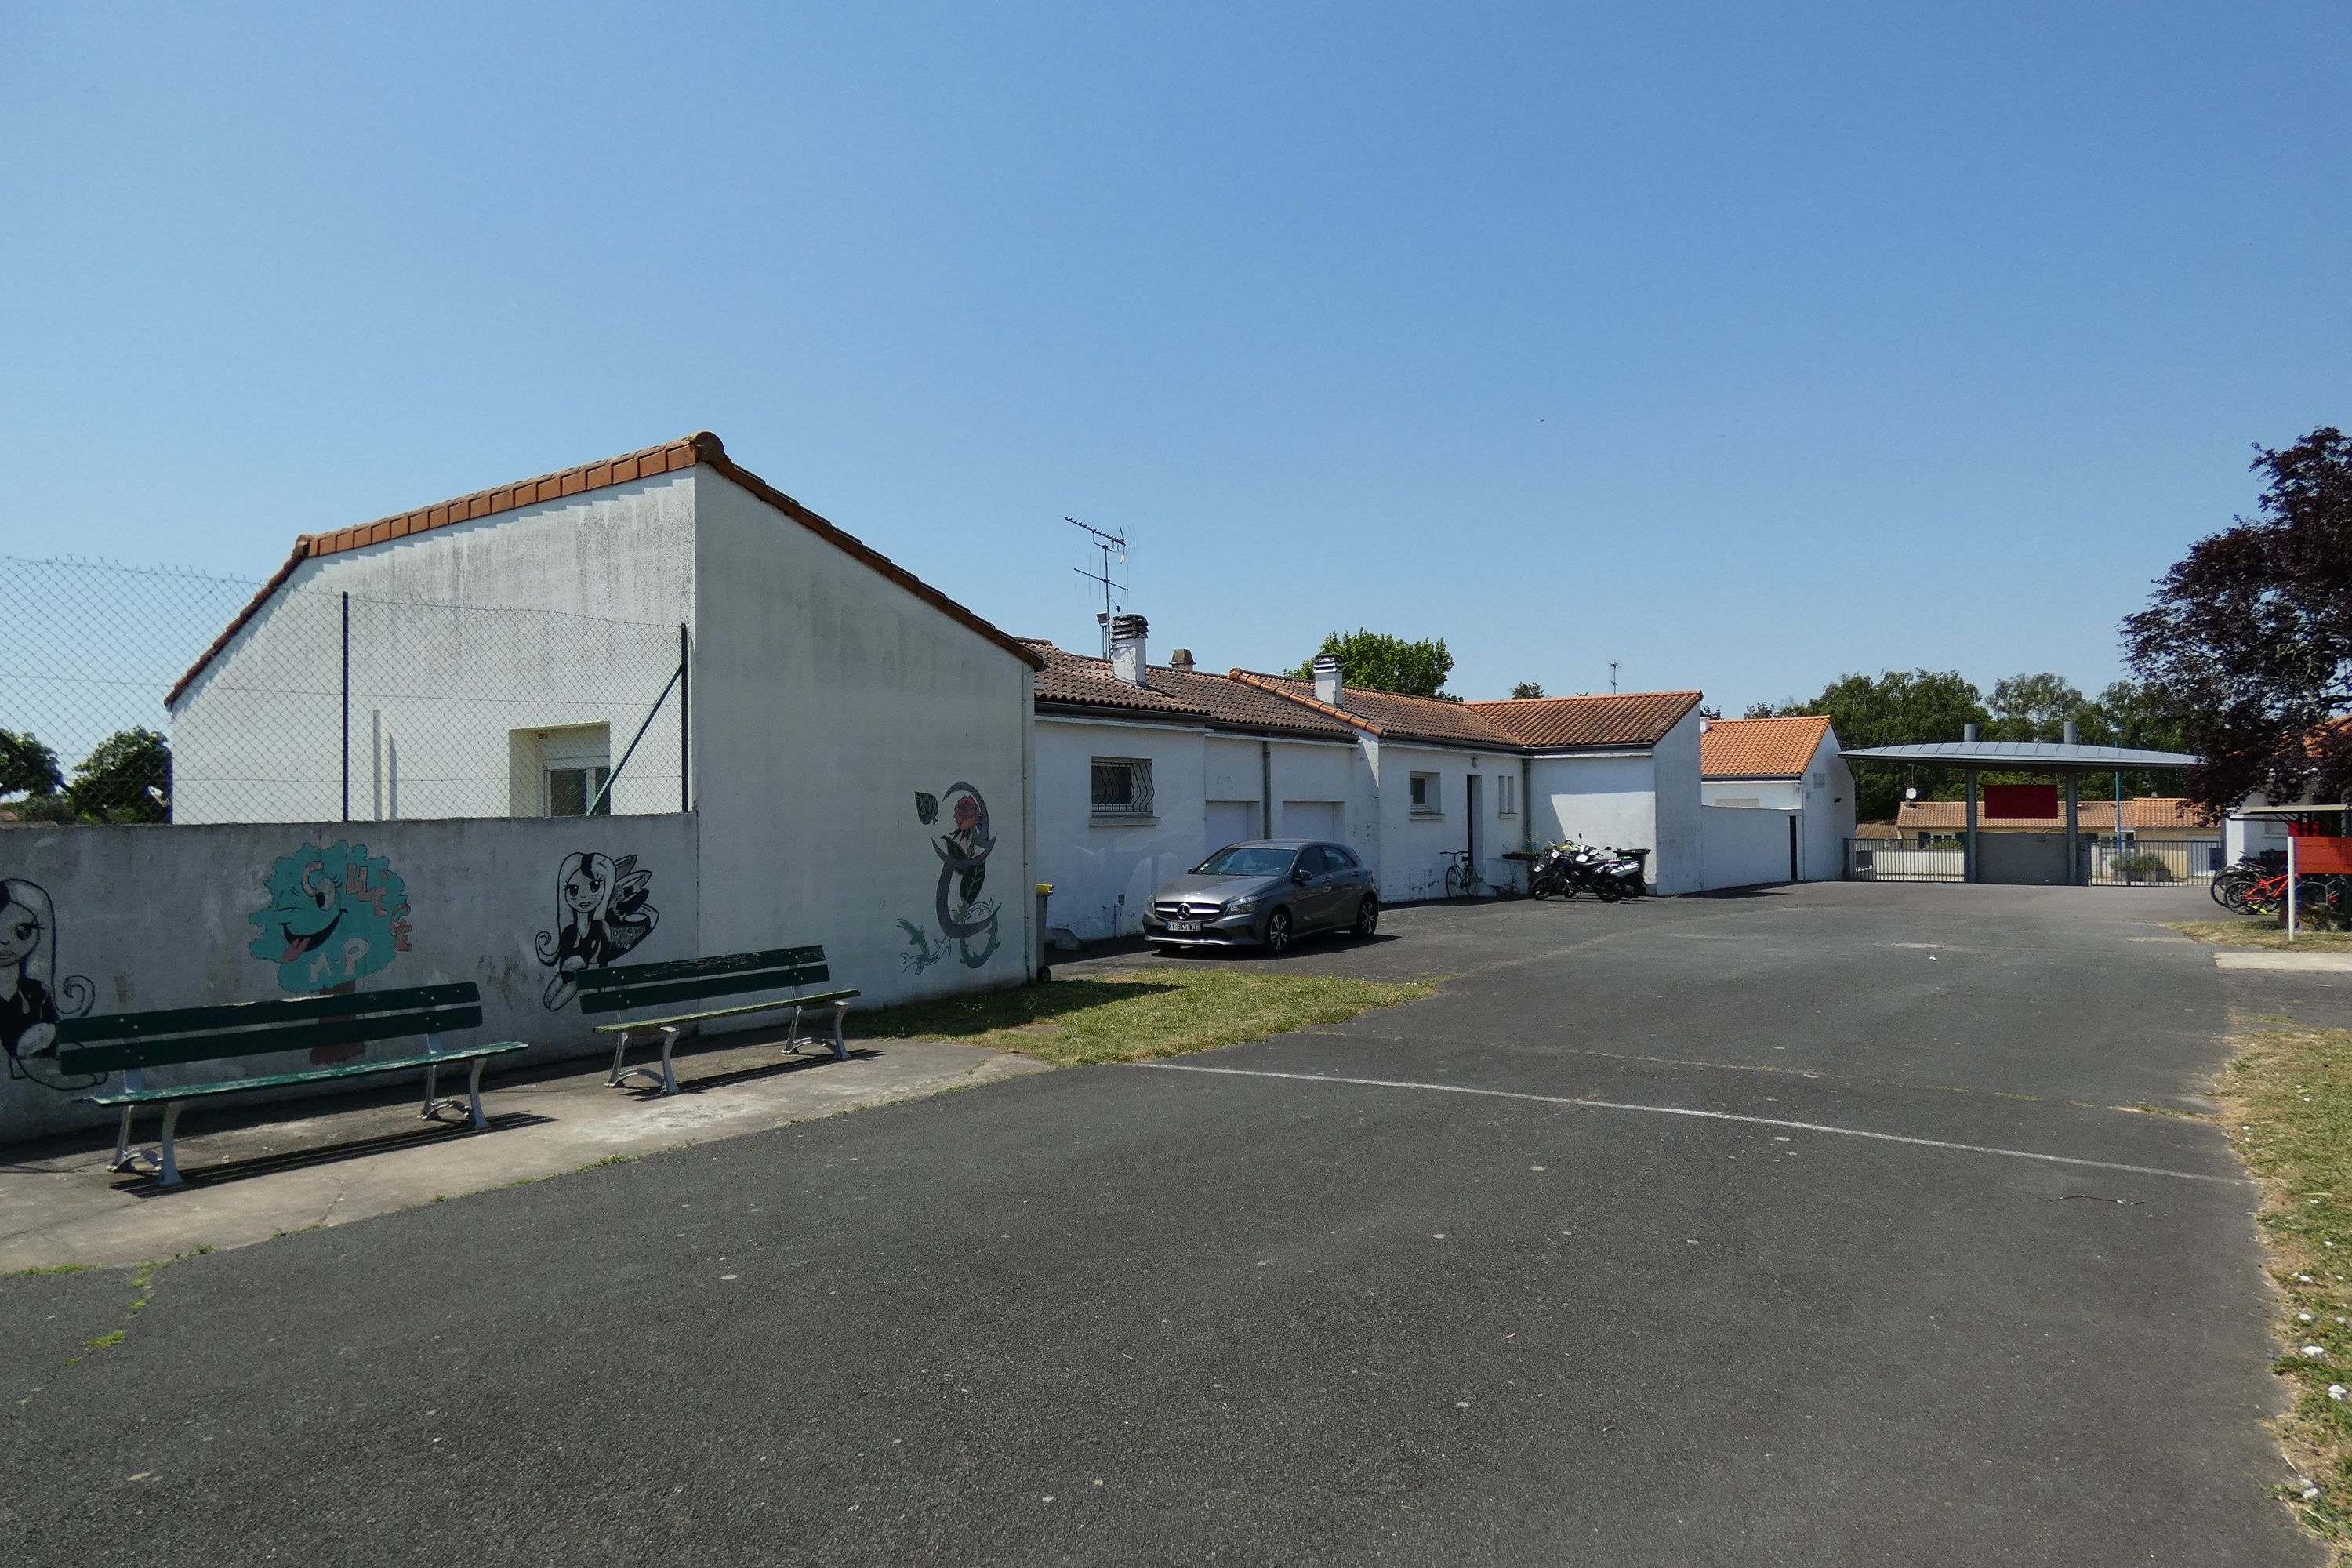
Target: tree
(1525,690)
(1896,707)
(127,777)
(1379,662)
(2038,707)
(1759,711)
(2246,646)
(27,766)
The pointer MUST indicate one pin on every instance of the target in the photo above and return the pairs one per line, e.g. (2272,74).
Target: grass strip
(2261,932)
(1131,1017)
(2286,1101)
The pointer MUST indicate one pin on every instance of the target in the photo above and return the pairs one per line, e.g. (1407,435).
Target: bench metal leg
(170,1167)
(432,1093)
(472,1102)
(474,1093)
(669,1071)
(617,1077)
(122,1154)
(665,1075)
(840,1046)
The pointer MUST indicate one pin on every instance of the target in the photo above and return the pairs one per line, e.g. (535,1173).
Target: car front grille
(1186,910)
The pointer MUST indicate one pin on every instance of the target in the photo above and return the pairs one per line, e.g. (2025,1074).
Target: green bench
(130,1042)
(626,987)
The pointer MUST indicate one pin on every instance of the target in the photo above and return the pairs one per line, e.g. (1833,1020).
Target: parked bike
(1569,867)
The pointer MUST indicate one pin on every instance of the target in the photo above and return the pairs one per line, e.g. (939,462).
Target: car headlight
(1242,907)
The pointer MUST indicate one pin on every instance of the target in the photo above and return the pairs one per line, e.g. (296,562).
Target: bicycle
(1461,877)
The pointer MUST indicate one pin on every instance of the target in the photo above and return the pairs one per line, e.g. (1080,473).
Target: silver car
(1263,893)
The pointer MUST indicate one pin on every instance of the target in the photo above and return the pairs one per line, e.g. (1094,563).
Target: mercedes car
(1265,894)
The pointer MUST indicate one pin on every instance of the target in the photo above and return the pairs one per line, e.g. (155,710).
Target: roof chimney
(2073,733)
(1969,732)
(1180,659)
(1330,687)
(1126,661)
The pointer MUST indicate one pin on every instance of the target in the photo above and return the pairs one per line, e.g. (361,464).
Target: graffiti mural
(333,915)
(601,912)
(964,920)
(32,997)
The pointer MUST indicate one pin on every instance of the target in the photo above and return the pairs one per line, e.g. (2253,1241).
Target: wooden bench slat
(221,1043)
(621,976)
(311,1075)
(110,1027)
(654,996)
(817,999)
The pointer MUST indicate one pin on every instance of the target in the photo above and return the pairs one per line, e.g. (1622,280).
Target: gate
(2151,862)
(1893,860)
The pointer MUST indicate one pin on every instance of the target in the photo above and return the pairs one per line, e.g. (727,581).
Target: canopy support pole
(1968,871)
(2075,878)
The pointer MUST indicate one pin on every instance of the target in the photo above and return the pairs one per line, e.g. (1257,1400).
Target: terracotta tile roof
(701,448)
(1761,748)
(1877,830)
(1071,680)
(1077,680)
(2149,812)
(1565,723)
(1397,718)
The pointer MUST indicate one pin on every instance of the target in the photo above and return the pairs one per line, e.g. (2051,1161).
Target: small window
(1821,781)
(1425,799)
(569,790)
(1341,860)
(1506,795)
(1122,787)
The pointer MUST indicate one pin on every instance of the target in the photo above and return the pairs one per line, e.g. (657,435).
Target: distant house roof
(1567,724)
(1761,748)
(2144,812)
(1877,830)
(1391,716)
(701,448)
(1075,681)
(1072,681)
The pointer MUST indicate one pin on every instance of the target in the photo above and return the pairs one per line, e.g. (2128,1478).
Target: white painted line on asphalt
(2258,958)
(1711,1116)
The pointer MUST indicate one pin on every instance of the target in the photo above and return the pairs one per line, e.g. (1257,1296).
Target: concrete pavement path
(1799,1227)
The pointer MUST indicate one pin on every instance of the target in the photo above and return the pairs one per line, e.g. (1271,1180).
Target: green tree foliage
(27,766)
(1896,707)
(2247,646)
(1525,690)
(2038,707)
(1379,662)
(127,777)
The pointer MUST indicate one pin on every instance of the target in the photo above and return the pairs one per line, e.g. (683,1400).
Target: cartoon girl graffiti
(603,912)
(29,989)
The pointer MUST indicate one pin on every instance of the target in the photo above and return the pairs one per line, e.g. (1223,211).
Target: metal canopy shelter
(2069,759)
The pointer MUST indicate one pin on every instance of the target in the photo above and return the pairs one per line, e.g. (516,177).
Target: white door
(1310,819)
(1230,821)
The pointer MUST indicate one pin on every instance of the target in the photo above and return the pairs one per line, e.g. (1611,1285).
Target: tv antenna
(1107,543)
(1613,677)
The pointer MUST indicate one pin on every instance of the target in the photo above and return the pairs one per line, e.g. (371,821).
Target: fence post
(2290,880)
(347,707)
(685,727)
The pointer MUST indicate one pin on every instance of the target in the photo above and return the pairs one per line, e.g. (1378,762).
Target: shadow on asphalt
(142,1184)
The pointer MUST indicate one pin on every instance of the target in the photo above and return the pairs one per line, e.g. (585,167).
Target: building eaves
(702,448)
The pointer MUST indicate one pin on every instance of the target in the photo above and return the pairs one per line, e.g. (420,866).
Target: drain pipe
(1264,788)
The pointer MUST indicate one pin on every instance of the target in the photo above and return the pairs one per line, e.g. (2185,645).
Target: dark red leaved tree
(2247,646)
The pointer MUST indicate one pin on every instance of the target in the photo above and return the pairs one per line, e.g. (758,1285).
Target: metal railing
(2150,863)
(1904,860)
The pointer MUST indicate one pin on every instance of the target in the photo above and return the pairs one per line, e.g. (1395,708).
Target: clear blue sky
(1746,345)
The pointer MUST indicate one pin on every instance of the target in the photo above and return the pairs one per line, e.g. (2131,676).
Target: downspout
(1264,787)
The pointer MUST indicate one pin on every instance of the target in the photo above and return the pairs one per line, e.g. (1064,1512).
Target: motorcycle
(1569,867)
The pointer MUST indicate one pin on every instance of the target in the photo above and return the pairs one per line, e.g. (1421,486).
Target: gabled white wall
(258,737)
(826,699)
(1412,860)
(1600,797)
(1823,793)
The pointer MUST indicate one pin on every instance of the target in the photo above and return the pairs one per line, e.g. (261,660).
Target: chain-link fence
(154,696)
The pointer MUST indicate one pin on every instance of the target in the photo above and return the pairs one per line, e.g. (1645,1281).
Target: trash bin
(1045,891)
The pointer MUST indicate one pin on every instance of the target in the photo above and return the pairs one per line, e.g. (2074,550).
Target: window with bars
(1122,787)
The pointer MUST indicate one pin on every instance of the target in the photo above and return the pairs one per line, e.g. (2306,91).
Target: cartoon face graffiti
(32,999)
(333,915)
(603,912)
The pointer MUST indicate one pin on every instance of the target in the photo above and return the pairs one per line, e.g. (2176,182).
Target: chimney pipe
(2073,733)
(1180,659)
(1968,732)
(1127,656)
(1102,625)
(1330,682)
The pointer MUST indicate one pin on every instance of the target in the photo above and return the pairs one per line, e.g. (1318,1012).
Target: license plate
(1184,925)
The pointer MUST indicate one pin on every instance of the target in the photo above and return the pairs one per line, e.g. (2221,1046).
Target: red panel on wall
(2021,800)
(2323,855)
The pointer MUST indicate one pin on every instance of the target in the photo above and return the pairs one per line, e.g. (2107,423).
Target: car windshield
(1245,860)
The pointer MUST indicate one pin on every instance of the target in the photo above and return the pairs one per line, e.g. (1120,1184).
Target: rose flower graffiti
(963,854)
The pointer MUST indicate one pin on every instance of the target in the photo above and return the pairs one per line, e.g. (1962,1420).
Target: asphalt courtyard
(1799,1228)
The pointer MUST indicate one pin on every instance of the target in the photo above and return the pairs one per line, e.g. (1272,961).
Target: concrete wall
(1103,870)
(143,918)
(437,691)
(1678,866)
(1744,845)
(1411,860)
(829,705)
(1600,797)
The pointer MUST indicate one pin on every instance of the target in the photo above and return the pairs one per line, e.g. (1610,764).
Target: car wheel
(1367,917)
(1277,933)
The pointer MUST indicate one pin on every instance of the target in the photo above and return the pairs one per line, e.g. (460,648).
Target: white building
(1142,769)
(1780,765)
(836,722)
